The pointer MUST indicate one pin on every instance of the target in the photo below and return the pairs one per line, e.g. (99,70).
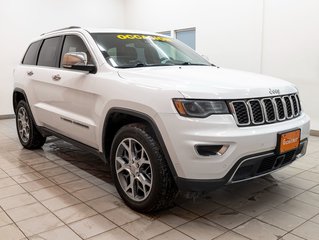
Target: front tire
(29,136)
(140,171)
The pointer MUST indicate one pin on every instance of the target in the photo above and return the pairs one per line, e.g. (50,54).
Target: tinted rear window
(31,55)
(50,52)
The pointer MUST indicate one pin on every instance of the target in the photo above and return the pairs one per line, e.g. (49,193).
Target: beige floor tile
(4,219)
(28,177)
(95,180)
(5,182)
(11,191)
(315,189)
(35,161)
(285,190)
(172,234)
(259,203)
(311,176)
(299,208)
(76,185)
(200,206)
(22,169)
(16,201)
(121,215)
(290,236)
(146,229)
(47,193)
(44,166)
(36,185)
(75,213)
(315,219)
(108,187)
(227,217)
(62,201)
(300,183)
(281,219)
(310,198)
(64,178)
(92,226)
(25,155)
(114,234)
(61,233)
(105,203)
(27,211)
(11,232)
(201,229)
(53,171)
(258,230)
(308,230)
(176,216)
(231,236)
(36,225)
(90,193)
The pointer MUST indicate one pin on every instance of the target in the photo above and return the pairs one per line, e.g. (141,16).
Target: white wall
(273,37)
(291,48)
(21,21)
(227,31)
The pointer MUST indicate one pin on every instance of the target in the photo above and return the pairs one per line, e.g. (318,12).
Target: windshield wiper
(144,65)
(193,64)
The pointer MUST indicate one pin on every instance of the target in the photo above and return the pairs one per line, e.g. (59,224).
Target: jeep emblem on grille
(274,91)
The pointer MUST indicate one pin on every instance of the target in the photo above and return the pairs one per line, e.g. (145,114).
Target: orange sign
(289,141)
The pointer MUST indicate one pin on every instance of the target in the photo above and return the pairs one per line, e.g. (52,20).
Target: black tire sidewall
(29,144)
(153,154)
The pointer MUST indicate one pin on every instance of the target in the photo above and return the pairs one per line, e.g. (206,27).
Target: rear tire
(29,136)
(140,171)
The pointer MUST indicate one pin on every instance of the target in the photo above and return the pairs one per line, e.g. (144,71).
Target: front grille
(248,112)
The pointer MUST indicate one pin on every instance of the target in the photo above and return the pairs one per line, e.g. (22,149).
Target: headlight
(200,108)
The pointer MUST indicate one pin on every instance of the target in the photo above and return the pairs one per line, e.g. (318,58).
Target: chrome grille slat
(250,112)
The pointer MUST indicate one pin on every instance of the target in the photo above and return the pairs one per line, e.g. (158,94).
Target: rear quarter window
(30,58)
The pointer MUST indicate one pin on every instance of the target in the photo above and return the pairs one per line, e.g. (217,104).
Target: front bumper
(196,172)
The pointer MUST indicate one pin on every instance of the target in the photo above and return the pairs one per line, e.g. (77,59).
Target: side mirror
(78,61)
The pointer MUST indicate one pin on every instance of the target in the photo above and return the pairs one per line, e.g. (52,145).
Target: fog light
(211,150)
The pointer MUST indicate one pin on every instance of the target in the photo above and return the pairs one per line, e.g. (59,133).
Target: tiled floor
(62,192)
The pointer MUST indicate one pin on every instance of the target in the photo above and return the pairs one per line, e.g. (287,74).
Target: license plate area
(288,141)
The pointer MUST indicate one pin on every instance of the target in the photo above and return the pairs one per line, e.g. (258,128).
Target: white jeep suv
(161,115)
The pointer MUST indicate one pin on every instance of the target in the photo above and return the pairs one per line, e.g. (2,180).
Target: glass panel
(30,57)
(74,43)
(187,37)
(50,51)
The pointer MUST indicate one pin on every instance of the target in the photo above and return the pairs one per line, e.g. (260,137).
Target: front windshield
(122,50)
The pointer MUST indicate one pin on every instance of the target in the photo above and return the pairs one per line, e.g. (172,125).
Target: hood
(205,82)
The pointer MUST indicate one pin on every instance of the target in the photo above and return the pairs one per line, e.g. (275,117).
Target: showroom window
(30,57)
(187,36)
(50,52)
(167,33)
(74,43)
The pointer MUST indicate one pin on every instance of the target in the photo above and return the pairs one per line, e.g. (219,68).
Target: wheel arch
(18,95)
(131,116)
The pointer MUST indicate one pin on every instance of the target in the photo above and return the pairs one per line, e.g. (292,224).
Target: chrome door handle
(30,73)
(56,77)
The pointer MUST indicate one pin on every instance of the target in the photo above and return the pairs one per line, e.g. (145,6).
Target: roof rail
(71,27)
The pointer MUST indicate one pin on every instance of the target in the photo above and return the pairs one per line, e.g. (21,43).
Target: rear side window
(31,55)
(50,52)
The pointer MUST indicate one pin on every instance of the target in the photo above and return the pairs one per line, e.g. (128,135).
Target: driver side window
(74,43)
